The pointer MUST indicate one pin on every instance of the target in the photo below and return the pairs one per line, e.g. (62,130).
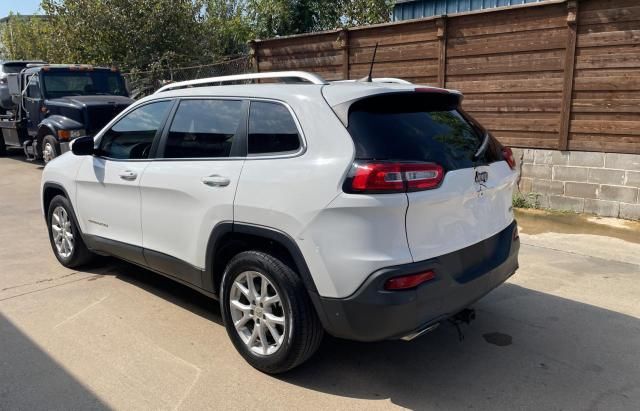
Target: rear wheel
(50,148)
(268,313)
(64,234)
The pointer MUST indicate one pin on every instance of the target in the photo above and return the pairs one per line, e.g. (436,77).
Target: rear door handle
(128,175)
(216,181)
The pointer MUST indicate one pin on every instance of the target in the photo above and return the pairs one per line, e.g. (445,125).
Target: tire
(301,332)
(50,148)
(71,252)
(3,146)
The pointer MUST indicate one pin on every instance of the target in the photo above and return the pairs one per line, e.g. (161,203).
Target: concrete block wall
(604,184)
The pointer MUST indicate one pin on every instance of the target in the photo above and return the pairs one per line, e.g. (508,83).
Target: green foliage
(526,201)
(155,34)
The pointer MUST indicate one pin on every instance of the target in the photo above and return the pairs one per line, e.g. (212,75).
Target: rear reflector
(508,157)
(372,177)
(407,282)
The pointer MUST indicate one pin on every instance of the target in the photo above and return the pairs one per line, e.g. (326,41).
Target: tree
(154,34)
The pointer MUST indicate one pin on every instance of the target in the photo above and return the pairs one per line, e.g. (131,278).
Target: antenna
(369,79)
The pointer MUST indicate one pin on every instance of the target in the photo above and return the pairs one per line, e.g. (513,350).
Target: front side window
(132,136)
(204,129)
(271,129)
(33,90)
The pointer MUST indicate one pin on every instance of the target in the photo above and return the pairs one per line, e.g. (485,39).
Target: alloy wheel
(62,234)
(257,312)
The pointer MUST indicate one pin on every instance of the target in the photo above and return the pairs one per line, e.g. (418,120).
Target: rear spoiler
(451,98)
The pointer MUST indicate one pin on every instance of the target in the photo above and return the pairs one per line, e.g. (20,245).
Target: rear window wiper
(482,148)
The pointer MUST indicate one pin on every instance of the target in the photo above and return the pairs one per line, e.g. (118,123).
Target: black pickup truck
(54,104)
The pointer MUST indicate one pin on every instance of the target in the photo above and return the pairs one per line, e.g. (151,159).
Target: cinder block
(606,176)
(547,187)
(581,190)
(542,171)
(632,179)
(586,159)
(527,156)
(525,185)
(602,208)
(618,193)
(630,211)
(542,200)
(554,157)
(563,173)
(566,203)
(623,161)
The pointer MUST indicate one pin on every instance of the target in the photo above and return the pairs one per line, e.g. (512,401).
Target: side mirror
(83,146)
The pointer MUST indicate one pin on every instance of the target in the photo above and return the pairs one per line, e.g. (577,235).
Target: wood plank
(512,105)
(418,68)
(606,127)
(611,38)
(520,125)
(498,86)
(606,146)
(614,14)
(441,25)
(508,21)
(605,106)
(398,52)
(607,83)
(526,76)
(598,62)
(401,33)
(507,43)
(569,73)
(507,63)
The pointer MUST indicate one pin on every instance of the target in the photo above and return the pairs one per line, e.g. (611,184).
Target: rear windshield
(417,127)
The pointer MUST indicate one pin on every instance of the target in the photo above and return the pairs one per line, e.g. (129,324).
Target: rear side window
(204,128)
(271,129)
(424,127)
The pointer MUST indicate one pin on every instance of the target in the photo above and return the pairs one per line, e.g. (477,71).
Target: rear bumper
(462,277)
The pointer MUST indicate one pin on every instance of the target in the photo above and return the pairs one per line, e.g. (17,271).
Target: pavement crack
(45,288)
(44,280)
(578,254)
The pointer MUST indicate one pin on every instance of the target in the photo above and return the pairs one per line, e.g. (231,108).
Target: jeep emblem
(482,177)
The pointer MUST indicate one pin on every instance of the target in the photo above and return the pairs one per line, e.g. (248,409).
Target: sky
(18,6)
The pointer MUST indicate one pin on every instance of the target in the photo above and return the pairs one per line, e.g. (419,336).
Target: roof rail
(302,75)
(377,80)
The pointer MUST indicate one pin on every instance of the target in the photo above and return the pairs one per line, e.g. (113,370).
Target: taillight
(407,282)
(507,154)
(380,178)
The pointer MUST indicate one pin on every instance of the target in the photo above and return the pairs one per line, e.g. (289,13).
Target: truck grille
(98,117)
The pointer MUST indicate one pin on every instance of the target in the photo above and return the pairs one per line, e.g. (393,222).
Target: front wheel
(64,234)
(268,313)
(50,149)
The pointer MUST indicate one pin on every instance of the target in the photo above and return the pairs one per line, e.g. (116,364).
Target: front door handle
(216,181)
(128,175)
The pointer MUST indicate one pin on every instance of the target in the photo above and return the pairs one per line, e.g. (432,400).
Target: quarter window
(271,129)
(204,128)
(132,136)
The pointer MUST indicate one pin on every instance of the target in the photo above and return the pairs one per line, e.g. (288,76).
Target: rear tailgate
(472,202)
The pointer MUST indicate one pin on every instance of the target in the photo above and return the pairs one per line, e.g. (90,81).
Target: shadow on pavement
(526,350)
(31,380)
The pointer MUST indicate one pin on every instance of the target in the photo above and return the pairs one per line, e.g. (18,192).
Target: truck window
(82,83)
(33,90)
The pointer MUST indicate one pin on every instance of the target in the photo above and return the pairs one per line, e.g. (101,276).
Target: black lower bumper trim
(462,278)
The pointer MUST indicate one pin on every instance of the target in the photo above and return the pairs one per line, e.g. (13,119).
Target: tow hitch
(463,317)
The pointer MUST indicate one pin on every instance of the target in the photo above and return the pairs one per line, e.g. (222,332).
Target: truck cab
(54,104)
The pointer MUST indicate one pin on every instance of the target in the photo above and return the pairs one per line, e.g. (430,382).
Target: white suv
(369,210)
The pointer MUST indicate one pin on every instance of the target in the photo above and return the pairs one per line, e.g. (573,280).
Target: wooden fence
(560,75)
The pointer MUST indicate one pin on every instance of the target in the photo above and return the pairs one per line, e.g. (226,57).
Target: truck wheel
(268,313)
(64,234)
(50,148)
